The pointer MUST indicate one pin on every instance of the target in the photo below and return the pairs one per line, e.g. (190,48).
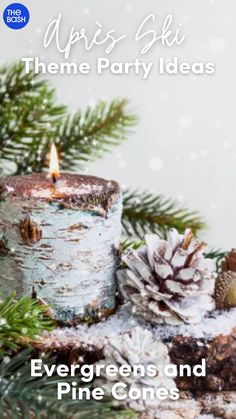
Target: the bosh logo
(16,16)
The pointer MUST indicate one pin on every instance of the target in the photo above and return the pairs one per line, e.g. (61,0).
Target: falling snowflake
(86,11)
(122,164)
(185,121)
(226,145)
(217,45)
(193,156)
(38,30)
(128,7)
(155,164)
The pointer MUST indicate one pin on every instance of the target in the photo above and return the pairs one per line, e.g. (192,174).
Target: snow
(218,322)
(41,193)
(96,334)
(9,189)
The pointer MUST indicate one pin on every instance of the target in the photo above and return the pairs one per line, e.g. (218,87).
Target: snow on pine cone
(136,348)
(168,281)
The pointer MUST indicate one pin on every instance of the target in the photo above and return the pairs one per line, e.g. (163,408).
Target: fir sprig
(21,321)
(25,397)
(30,120)
(218,255)
(144,212)
(130,243)
(28,113)
(87,135)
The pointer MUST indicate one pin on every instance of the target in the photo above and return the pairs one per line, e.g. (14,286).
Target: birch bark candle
(61,242)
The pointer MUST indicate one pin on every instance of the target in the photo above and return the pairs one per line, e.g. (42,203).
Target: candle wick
(54,178)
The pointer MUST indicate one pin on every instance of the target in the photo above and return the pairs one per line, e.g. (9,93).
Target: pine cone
(225,290)
(229,262)
(168,281)
(136,348)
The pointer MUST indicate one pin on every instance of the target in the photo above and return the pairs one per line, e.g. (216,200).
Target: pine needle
(21,321)
(218,255)
(131,244)
(30,120)
(144,212)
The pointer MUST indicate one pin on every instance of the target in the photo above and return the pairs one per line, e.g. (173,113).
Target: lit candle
(54,171)
(61,240)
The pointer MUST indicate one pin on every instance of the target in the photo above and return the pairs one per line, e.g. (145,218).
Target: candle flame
(54,163)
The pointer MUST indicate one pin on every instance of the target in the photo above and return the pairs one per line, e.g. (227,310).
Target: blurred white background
(184,145)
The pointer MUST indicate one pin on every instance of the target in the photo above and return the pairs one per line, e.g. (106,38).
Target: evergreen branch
(27,113)
(218,255)
(87,136)
(30,120)
(23,396)
(131,244)
(21,321)
(144,212)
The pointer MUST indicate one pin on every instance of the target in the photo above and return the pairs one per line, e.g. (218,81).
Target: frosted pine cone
(136,348)
(168,280)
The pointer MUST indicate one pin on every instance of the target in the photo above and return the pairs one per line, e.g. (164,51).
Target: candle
(59,239)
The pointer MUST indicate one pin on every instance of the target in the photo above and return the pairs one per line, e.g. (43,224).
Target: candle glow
(54,164)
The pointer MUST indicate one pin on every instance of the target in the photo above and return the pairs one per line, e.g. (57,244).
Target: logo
(16,16)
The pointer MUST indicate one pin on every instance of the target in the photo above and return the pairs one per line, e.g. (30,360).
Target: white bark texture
(61,246)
